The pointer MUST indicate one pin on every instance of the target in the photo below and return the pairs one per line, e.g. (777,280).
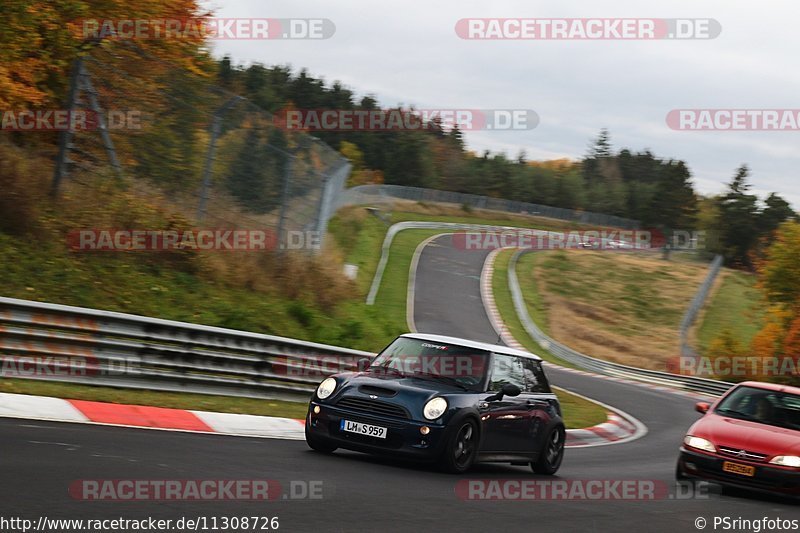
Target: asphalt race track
(40,460)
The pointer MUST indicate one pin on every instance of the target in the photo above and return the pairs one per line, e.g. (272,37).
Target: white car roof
(496,348)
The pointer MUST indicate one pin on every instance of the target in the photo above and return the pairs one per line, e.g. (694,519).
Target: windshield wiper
(387,369)
(445,379)
(736,413)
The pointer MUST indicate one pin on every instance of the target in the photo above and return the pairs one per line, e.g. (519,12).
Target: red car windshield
(762,405)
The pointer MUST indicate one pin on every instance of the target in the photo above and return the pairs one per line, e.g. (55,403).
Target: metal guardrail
(697,304)
(607,368)
(365,194)
(79,345)
(123,350)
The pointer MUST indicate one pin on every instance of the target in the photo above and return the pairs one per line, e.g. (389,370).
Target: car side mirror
(363,363)
(702,407)
(507,390)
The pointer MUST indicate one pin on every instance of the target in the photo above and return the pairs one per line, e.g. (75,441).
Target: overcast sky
(407,52)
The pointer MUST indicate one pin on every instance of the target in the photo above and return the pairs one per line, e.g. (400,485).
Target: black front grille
(367,406)
(736,453)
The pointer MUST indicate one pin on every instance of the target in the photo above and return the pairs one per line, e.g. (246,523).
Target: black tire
(461,447)
(682,480)
(679,475)
(552,453)
(319,445)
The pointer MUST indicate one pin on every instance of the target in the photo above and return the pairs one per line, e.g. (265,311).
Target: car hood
(395,386)
(747,435)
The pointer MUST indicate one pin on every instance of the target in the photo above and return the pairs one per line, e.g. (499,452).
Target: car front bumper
(403,436)
(697,465)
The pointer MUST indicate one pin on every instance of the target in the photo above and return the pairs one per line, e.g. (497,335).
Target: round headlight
(787,460)
(435,408)
(326,388)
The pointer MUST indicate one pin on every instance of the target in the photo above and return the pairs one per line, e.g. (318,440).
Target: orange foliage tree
(39,40)
(779,281)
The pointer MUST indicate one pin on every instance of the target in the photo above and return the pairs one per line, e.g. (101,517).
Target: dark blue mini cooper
(446,400)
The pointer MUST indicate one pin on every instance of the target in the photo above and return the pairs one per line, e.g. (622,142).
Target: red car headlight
(786,460)
(699,443)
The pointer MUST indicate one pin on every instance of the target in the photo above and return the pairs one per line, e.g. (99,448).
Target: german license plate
(742,470)
(363,429)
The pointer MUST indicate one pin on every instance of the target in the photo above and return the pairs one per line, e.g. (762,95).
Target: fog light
(424,430)
(316,409)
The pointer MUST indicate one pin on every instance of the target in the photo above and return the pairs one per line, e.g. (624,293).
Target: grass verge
(505,306)
(734,307)
(622,307)
(579,412)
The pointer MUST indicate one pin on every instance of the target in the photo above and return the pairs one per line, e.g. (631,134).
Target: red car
(749,438)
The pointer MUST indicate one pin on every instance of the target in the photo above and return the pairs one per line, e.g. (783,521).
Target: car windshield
(774,408)
(456,365)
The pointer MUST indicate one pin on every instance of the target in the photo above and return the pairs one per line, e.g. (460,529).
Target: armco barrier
(697,303)
(708,386)
(123,350)
(365,194)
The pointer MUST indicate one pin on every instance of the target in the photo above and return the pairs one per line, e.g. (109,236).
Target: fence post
(287,178)
(695,306)
(208,167)
(108,144)
(66,135)
(333,184)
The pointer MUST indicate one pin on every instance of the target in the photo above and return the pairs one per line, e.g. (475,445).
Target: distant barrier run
(79,345)
(365,194)
(697,303)
(607,368)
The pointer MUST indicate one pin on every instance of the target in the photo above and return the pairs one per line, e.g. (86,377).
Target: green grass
(505,306)
(578,412)
(125,283)
(735,307)
(537,309)
(621,307)
(600,279)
